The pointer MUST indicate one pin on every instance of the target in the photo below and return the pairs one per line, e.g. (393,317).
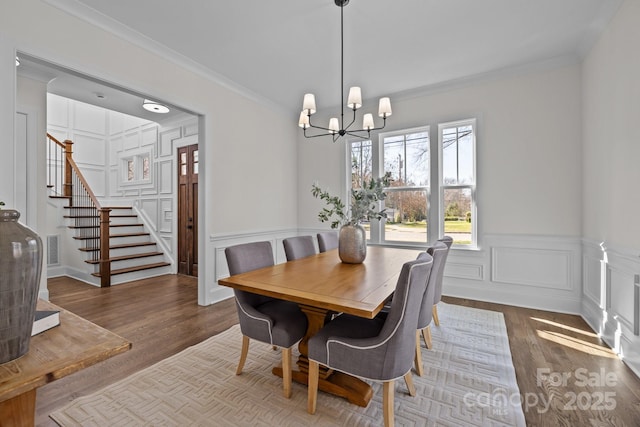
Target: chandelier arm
(384,123)
(352,121)
(317,135)
(354,134)
(318,127)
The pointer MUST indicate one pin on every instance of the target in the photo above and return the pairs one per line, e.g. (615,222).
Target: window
(136,167)
(431,195)
(458,181)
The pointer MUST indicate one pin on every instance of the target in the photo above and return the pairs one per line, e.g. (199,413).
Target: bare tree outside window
(145,167)
(130,170)
(361,163)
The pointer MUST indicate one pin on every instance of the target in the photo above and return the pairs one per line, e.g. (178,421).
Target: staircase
(130,247)
(113,240)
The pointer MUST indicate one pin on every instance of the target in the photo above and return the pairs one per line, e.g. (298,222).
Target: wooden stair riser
(74,221)
(116,265)
(138,268)
(125,239)
(132,250)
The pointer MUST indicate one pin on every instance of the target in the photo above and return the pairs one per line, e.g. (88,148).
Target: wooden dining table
(320,284)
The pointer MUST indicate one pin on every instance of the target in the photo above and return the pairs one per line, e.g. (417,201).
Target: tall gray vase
(20,268)
(352,244)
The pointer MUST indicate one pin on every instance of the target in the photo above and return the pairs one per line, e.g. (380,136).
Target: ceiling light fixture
(337,128)
(154,107)
(17,61)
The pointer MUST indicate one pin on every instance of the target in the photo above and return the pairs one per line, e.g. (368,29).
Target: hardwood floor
(567,376)
(161,317)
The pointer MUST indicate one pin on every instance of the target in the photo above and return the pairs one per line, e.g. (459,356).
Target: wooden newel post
(105,262)
(68,186)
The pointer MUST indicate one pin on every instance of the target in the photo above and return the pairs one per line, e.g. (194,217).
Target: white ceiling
(277,50)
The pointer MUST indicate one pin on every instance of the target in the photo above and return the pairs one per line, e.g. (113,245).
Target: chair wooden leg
(426,335)
(243,354)
(387,403)
(286,371)
(408,379)
(435,315)
(418,361)
(314,371)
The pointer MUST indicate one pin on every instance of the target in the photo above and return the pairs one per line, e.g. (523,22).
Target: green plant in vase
(363,206)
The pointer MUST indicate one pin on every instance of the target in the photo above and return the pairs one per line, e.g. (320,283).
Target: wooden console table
(73,345)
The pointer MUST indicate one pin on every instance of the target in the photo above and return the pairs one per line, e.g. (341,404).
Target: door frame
(184,141)
(195,236)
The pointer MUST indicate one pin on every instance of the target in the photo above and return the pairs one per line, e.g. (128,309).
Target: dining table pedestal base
(340,384)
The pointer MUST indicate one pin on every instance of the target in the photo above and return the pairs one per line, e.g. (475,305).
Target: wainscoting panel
(531,267)
(459,270)
(542,272)
(622,295)
(594,280)
(616,317)
(218,243)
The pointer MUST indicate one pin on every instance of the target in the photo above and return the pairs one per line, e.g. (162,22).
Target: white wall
(611,156)
(30,165)
(529,181)
(246,163)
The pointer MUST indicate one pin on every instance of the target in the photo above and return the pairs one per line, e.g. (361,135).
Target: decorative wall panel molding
(166,141)
(89,118)
(165,170)
(89,150)
(532,267)
(594,279)
(615,316)
(460,270)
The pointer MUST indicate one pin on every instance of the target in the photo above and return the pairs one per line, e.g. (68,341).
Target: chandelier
(338,128)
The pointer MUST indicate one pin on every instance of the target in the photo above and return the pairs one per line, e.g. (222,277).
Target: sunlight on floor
(583,345)
(577,344)
(569,328)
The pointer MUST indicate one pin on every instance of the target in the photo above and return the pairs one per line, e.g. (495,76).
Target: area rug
(469,380)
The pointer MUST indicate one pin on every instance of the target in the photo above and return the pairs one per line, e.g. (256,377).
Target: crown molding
(93,17)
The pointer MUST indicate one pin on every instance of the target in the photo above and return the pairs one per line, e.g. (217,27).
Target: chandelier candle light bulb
(309,104)
(384,108)
(304,120)
(355,98)
(334,125)
(367,121)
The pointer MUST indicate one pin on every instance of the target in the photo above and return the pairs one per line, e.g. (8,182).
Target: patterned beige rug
(469,381)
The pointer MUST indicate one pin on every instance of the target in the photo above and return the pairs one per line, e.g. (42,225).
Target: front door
(188,210)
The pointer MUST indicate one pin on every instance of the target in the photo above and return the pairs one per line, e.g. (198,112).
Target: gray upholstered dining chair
(262,318)
(327,240)
(439,253)
(299,247)
(447,240)
(379,349)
